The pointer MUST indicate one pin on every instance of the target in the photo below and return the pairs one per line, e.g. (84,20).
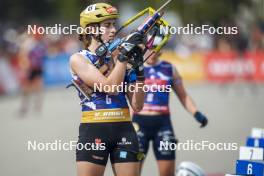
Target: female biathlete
(106,128)
(153,121)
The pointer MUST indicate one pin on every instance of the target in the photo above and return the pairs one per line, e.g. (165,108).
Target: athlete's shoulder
(77,58)
(86,53)
(166,63)
(171,66)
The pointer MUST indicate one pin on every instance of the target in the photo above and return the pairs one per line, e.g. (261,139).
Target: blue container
(255,142)
(246,167)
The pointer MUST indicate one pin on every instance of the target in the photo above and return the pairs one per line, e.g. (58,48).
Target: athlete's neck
(93,46)
(153,63)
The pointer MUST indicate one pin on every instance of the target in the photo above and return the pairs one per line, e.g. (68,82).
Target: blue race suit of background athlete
(160,75)
(156,128)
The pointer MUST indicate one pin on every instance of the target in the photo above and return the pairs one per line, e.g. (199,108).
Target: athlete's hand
(129,43)
(135,38)
(137,61)
(201,119)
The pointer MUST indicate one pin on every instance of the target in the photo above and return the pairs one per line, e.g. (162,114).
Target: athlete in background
(31,56)
(153,121)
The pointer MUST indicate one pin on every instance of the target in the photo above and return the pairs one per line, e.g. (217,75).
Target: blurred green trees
(47,11)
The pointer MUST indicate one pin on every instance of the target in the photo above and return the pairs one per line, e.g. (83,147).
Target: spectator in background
(31,55)
(256,41)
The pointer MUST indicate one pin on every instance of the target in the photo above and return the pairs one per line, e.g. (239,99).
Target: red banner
(229,66)
(257,59)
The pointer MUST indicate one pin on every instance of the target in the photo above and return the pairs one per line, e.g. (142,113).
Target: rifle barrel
(166,3)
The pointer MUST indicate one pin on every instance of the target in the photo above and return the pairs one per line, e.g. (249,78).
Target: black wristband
(122,57)
(140,70)
(196,114)
(140,78)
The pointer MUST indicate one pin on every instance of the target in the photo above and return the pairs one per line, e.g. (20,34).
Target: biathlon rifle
(154,19)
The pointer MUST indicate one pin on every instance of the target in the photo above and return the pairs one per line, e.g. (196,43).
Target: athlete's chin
(111,38)
(151,62)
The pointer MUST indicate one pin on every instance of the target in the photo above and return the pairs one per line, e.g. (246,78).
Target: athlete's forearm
(91,76)
(189,105)
(136,97)
(183,96)
(117,75)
